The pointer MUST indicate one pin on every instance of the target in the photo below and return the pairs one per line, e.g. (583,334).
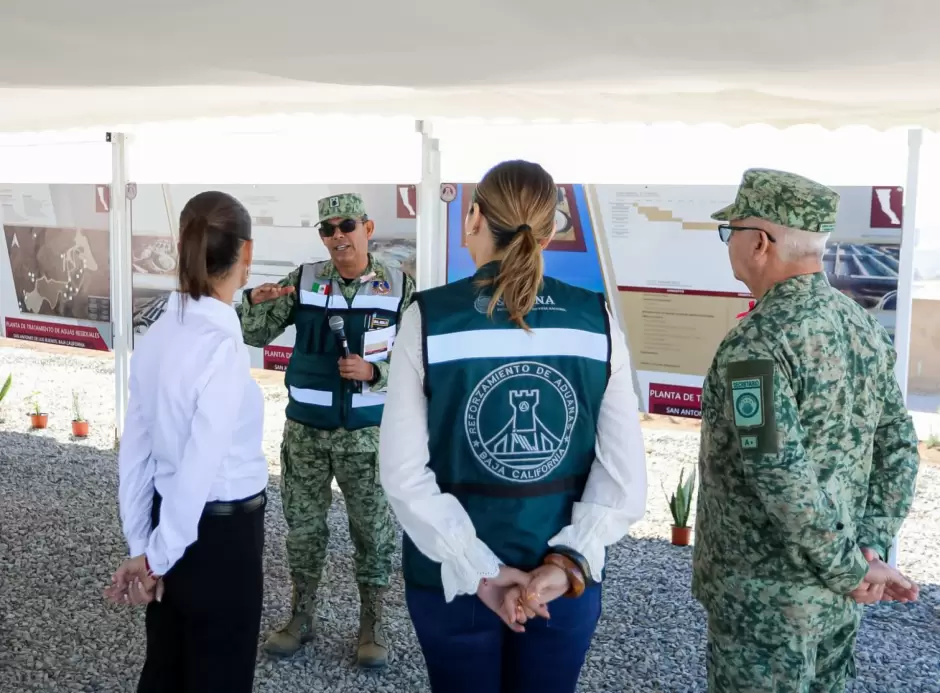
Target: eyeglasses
(725,231)
(346,226)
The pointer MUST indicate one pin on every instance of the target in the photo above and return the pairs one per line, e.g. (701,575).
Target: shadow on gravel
(60,540)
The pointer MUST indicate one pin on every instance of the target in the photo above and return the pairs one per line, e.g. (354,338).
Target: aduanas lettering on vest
(482,303)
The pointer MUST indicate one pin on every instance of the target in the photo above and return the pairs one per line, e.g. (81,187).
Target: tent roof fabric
(781,62)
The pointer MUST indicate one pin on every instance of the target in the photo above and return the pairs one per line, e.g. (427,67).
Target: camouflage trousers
(823,663)
(310,460)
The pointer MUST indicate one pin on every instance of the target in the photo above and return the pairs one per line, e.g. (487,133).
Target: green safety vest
(512,416)
(318,396)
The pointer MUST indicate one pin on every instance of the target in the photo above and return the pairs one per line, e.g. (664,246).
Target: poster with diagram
(284,229)
(678,296)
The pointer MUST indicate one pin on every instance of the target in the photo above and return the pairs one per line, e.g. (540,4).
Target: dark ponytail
(213,228)
(194,274)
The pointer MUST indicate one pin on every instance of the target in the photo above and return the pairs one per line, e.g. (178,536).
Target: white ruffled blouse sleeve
(436,522)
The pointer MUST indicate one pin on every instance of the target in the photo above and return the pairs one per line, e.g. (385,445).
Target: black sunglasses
(346,226)
(725,231)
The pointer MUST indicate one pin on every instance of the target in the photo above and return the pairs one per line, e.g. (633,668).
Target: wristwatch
(376,375)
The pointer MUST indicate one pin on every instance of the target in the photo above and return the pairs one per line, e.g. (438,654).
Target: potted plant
(680,504)
(79,424)
(4,390)
(37,416)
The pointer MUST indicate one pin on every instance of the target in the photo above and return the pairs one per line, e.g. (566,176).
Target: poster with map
(55,270)
(60,272)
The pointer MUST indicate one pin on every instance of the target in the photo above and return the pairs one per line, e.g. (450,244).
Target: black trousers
(203,636)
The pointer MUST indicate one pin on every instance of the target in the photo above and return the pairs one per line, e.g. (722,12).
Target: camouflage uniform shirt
(265,322)
(807,453)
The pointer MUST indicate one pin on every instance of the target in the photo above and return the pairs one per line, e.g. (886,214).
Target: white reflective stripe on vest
(321,398)
(371,399)
(375,302)
(309,298)
(360,301)
(516,343)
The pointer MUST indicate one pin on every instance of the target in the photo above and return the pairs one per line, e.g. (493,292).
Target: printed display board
(676,292)
(55,273)
(55,267)
(675,289)
(284,221)
(572,256)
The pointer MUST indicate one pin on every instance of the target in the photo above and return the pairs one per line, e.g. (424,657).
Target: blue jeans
(469,650)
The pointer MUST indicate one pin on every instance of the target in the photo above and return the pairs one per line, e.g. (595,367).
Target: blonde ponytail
(520,277)
(518,201)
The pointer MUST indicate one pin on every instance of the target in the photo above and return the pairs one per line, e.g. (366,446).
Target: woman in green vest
(511,453)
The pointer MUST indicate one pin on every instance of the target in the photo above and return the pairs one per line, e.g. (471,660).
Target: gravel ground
(60,540)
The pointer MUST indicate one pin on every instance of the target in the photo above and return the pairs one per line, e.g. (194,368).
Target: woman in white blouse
(192,471)
(511,453)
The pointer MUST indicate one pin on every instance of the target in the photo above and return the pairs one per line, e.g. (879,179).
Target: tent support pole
(902,330)
(431,261)
(120,263)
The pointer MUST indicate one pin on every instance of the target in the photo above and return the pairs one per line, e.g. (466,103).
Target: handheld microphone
(338,328)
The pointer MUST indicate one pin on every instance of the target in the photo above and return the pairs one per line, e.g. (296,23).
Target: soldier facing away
(808,456)
(333,413)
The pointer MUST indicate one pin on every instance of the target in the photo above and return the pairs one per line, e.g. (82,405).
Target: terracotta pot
(39,420)
(681,536)
(80,429)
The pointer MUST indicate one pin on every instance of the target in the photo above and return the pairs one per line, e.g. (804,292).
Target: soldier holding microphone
(346,311)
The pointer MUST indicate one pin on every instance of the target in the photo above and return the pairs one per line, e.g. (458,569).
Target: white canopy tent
(780,62)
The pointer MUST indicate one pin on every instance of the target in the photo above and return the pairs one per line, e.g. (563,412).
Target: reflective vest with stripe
(318,396)
(512,415)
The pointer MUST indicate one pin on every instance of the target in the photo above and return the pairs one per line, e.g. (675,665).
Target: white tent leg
(121,304)
(902,330)
(431,251)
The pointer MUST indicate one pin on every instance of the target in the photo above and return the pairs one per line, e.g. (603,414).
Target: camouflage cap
(783,198)
(344,206)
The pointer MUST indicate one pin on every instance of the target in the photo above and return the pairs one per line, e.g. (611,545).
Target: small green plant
(680,503)
(4,391)
(77,407)
(34,403)
(7,384)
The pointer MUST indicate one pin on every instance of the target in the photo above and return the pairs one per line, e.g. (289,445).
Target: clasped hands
(883,583)
(517,596)
(133,583)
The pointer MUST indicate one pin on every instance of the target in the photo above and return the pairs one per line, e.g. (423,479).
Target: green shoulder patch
(747,395)
(751,385)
